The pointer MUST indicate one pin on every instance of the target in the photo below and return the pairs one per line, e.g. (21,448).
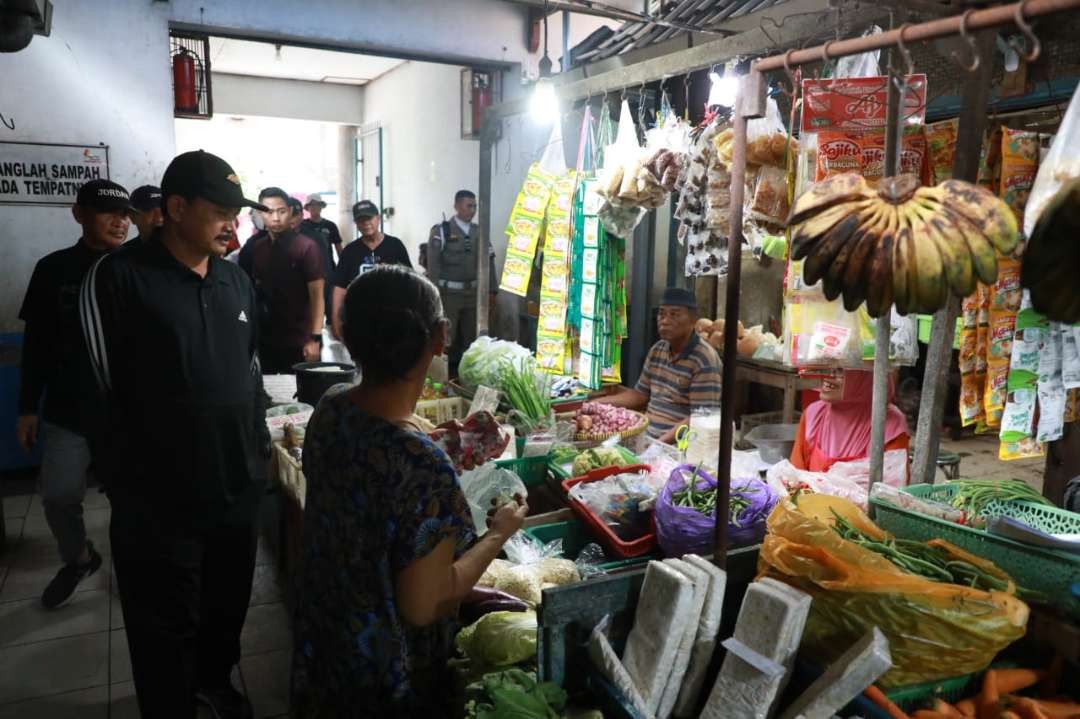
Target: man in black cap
(371,248)
(681,372)
(172,334)
(146,210)
(55,364)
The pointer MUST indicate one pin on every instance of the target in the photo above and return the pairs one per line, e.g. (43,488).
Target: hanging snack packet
(990,161)
(837,153)
(941,149)
(1019,164)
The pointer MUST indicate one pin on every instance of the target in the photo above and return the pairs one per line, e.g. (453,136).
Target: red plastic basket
(608,538)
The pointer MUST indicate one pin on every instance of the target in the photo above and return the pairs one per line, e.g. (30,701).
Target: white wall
(425,161)
(102,76)
(296,99)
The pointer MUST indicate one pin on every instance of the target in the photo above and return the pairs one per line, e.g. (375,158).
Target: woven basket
(641,426)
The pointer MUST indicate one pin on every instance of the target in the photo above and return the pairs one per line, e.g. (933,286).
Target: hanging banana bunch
(900,243)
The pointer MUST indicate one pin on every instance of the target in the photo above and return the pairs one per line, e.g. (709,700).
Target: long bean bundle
(973,495)
(929,562)
(528,395)
(704,500)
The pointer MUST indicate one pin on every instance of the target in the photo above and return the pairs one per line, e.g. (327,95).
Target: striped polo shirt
(676,385)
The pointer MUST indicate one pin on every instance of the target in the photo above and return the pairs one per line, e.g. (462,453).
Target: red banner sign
(857,104)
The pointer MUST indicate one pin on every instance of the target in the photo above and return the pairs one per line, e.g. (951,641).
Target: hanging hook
(976,59)
(901,44)
(790,91)
(825,56)
(1025,28)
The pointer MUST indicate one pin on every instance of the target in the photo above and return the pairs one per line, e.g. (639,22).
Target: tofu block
(705,640)
(770,625)
(700,580)
(666,600)
(607,662)
(846,678)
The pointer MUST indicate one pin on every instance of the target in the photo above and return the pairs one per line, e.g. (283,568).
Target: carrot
(989,697)
(1058,710)
(1027,709)
(878,697)
(945,708)
(1010,681)
(966,706)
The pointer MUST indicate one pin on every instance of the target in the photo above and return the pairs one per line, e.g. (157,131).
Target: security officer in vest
(451,265)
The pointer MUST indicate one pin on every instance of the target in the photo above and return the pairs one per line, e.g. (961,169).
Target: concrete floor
(73,662)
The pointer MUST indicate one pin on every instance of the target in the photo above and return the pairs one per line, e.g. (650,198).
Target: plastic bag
(616,500)
(935,630)
(620,221)
(767,141)
(483,362)
(787,480)
(862,65)
(683,530)
(1062,164)
(484,484)
(478,439)
(857,471)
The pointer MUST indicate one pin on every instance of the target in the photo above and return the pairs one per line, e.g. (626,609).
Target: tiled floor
(73,662)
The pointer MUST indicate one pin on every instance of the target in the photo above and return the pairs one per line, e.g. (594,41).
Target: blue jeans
(62,485)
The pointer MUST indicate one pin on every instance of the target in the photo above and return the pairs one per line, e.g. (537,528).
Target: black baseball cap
(201,174)
(678,297)
(146,198)
(103,195)
(365,208)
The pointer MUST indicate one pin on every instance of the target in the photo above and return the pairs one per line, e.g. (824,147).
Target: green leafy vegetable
(513,694)
(598,457)
(528,393)
(484,361)
(499,639)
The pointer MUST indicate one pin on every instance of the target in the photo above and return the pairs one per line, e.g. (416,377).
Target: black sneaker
(62,588)
(226,703)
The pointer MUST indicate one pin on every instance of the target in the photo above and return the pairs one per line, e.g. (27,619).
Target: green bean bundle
(524,391)
(973,495)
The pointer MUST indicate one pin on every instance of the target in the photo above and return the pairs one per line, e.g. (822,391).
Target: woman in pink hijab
(836,428)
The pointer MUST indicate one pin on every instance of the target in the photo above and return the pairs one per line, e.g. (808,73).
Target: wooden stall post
(974,99)
(488,136)
(751,104)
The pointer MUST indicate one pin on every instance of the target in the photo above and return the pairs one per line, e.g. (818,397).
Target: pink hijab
(841,429)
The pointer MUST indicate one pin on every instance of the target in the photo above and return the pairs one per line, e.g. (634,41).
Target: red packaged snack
(837,153)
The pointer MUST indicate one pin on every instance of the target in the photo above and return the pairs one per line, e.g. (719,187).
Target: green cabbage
(514,694)
(485,361)
(596,458)
(500,639)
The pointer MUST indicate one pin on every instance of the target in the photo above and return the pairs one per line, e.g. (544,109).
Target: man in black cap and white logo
(146,210)
(371,248)
(172,332)
(55,364)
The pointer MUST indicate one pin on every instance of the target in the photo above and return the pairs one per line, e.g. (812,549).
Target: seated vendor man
(681,372)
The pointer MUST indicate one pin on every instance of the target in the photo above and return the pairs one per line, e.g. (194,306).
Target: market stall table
(774,374)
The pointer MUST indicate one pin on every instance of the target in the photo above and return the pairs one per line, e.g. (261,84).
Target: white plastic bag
(484,484)
(1061,165)
(863,65)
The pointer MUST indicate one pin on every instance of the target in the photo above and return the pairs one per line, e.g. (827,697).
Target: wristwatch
(316,338)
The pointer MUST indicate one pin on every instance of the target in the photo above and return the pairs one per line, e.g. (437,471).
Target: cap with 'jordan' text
(104,196)
(146,198)
(201,174)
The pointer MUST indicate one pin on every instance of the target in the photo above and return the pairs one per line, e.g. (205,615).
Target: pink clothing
(841,430)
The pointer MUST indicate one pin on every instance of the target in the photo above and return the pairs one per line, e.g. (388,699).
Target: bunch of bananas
(900,243)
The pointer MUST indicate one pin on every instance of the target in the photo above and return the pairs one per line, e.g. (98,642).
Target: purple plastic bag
(681,530)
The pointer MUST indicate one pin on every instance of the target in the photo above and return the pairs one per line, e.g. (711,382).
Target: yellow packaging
(941,149)
(997,381)
(1026,448)
(1019,164)
(515,276)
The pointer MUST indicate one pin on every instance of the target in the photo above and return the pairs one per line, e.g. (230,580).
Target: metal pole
(974,98)
(880,405)
(488,128)
(750,104)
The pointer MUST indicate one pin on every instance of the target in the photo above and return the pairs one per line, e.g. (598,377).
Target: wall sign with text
(41,173)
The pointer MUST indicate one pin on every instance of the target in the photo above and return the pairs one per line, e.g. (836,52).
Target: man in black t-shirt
(371,248)
(55,364)
(326,236)
(146,210)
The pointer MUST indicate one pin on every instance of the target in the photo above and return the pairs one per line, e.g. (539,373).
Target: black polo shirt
(175,355)
(357,258)
(54,360)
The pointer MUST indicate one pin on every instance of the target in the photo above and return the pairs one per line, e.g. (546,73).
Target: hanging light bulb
(723,89)
(544,106)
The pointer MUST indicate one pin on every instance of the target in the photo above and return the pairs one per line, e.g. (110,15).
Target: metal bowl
(774,442)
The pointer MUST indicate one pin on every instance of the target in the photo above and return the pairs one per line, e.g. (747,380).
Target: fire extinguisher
(185,97)
(481,98)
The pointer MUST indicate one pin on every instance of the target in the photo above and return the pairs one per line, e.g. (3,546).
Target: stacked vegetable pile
(598,421)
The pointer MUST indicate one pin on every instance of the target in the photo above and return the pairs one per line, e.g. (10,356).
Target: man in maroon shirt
(288,272)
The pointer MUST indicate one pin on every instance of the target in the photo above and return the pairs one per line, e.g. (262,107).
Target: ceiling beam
(575,85)
(599,8)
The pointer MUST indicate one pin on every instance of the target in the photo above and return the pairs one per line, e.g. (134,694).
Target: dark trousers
(185,596)
(279,360)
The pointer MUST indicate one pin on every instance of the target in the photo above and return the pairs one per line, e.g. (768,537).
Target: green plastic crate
(561,472)
(1050,571)
(925,323)
(575,535)
(532,470)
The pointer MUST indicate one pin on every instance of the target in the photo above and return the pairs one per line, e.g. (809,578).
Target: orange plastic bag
(935,630)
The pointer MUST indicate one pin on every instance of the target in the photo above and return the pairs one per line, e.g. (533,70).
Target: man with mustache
(55,364)
(172,334)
